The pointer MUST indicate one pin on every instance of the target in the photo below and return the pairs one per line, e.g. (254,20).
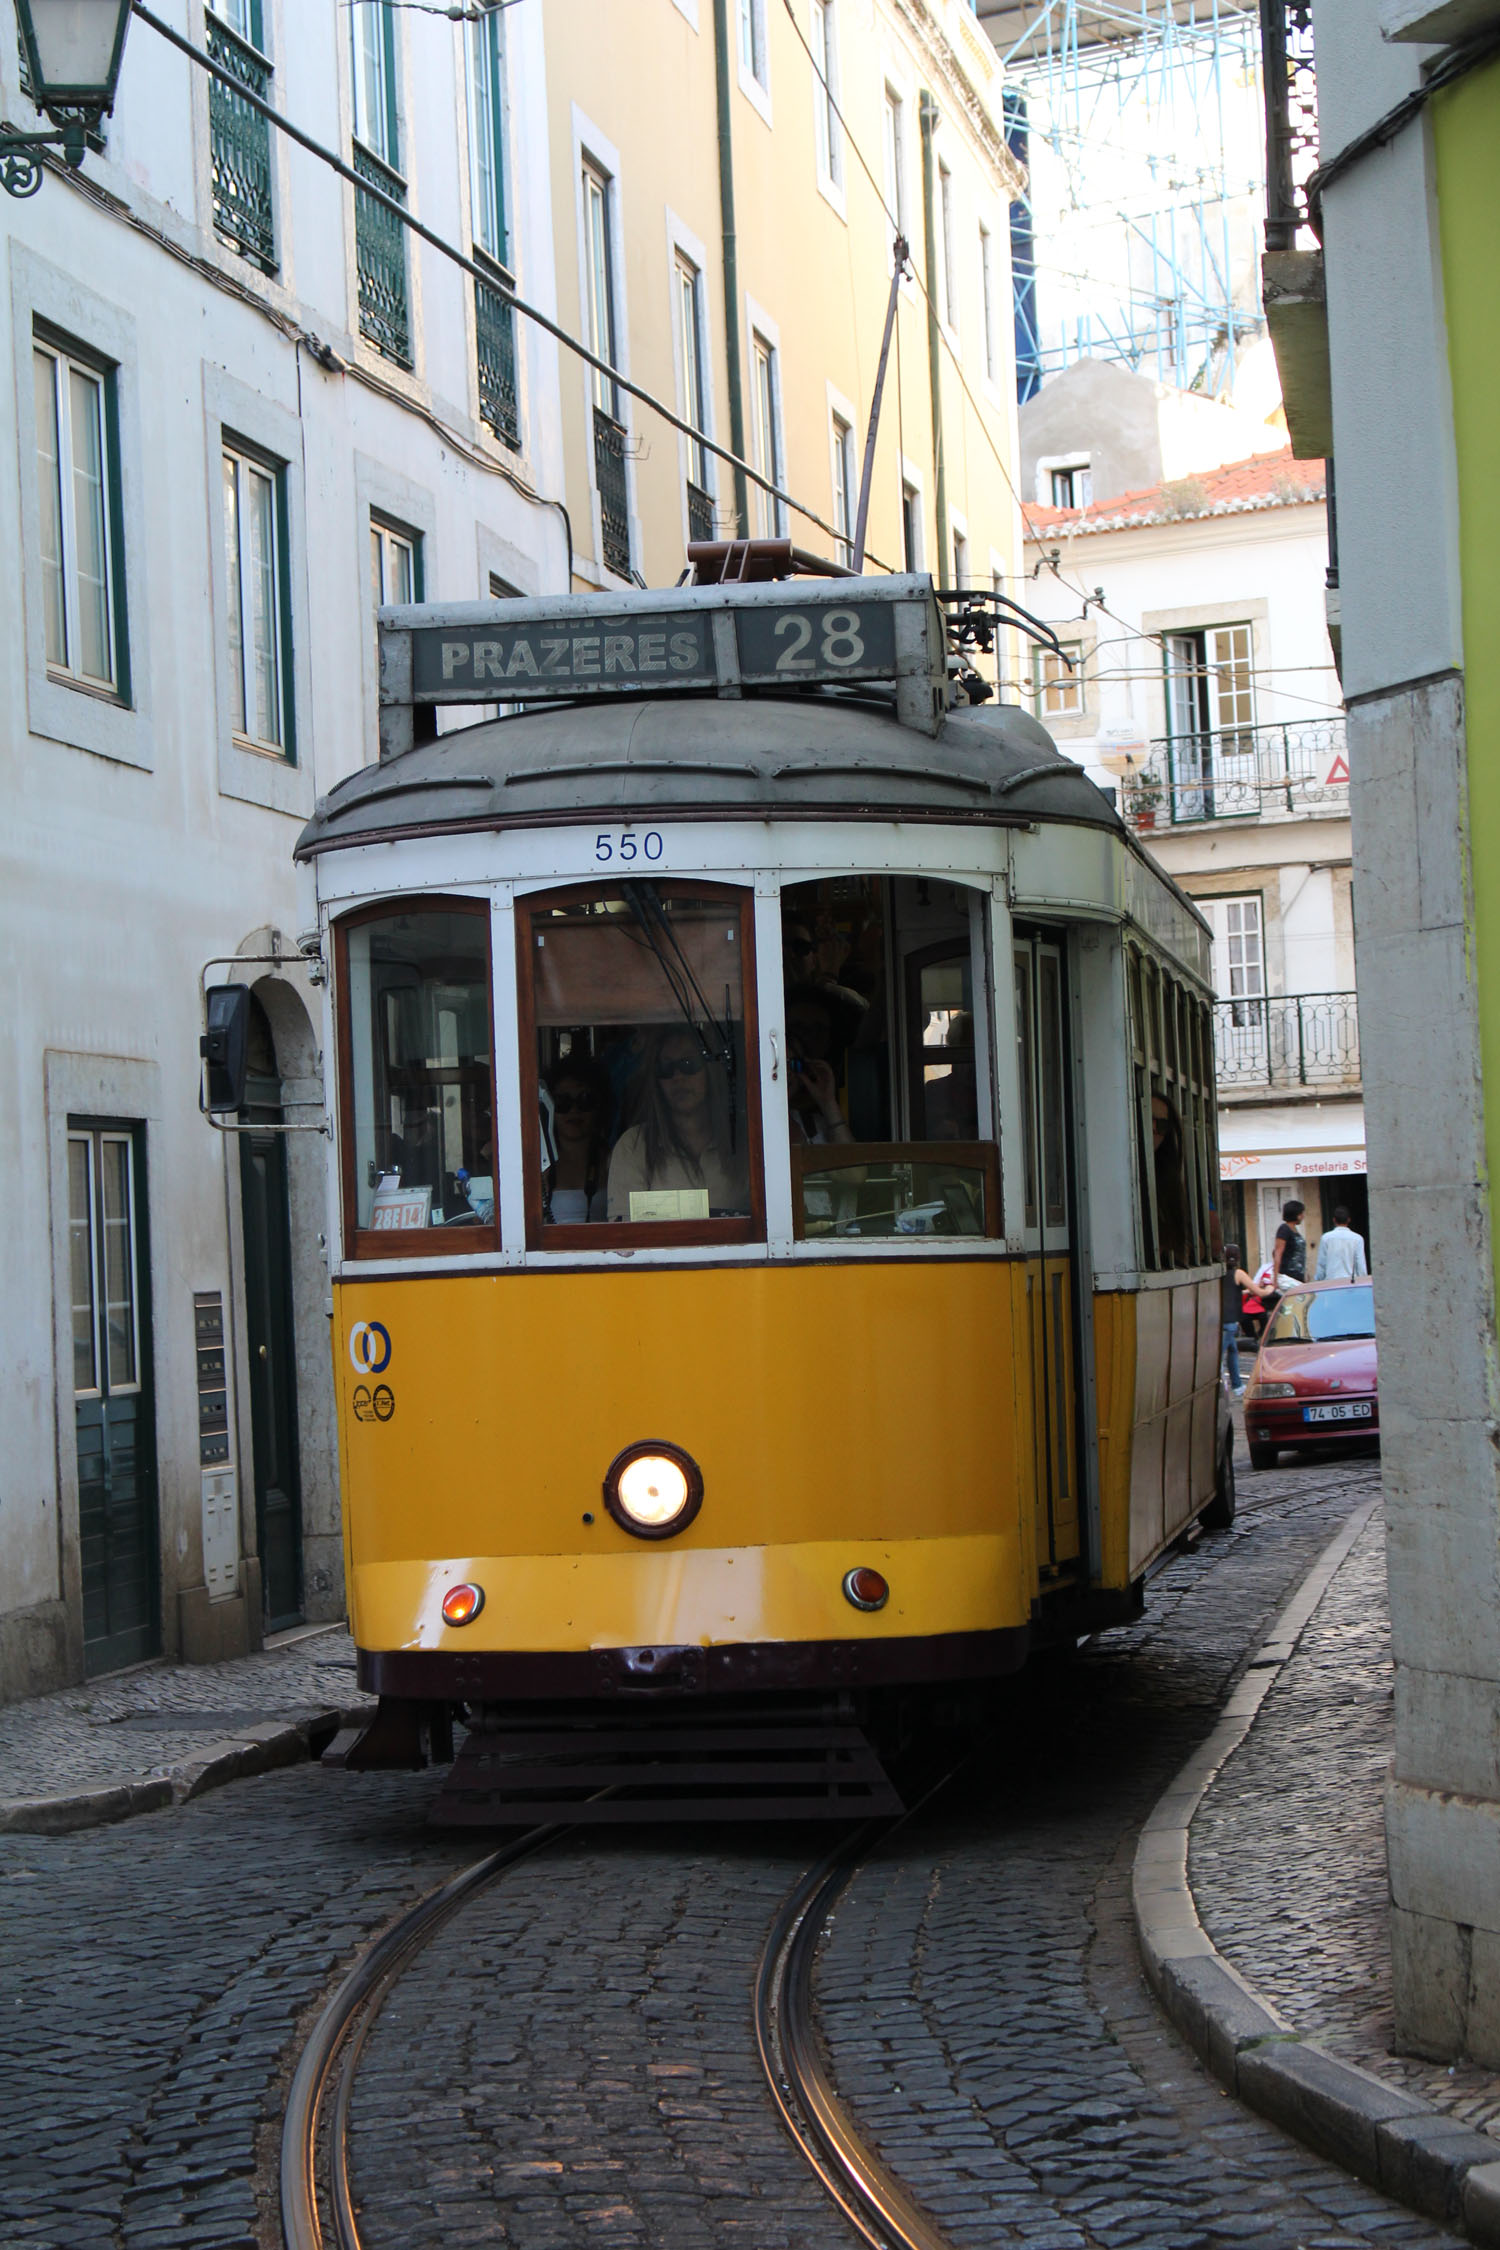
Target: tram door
(1042,1038)
(265,1204)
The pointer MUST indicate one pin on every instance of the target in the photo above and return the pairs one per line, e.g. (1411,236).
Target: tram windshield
(637,997)
(889,1088)
(420,1070)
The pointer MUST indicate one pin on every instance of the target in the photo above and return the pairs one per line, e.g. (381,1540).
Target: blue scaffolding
(1080,74)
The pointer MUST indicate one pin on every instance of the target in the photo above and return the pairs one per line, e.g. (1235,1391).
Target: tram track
(315,2129)
(330,2057)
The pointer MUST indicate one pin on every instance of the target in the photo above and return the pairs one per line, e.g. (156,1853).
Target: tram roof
(819,756)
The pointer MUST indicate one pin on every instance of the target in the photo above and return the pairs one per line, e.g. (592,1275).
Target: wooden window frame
(844,1156)
(627,1234)
(426,1242)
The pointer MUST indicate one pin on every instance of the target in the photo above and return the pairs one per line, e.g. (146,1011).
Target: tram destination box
(789,635)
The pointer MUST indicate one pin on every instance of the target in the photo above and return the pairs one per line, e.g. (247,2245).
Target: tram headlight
(653,1489)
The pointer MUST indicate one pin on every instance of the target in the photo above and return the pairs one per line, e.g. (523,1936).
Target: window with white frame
(599,281)
(987,297)
(752,14)
(688,285)
(826,94)
(1059,681)
(1239,946)
(372,30)
(945,215)
(75,472)
(487,136)
(895,158)
(1232,670)
(911,526)
(242,16)
(766,374)
(845,489)
(395,563)
(1210,678)
(1071,488)
(255,601)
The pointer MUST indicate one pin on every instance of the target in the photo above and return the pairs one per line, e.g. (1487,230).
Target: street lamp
(72,50)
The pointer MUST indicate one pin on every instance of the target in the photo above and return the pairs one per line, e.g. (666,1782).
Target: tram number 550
(842,644)
(629,846)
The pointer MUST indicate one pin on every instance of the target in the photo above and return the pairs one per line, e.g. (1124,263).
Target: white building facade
(1202,686)
(242,404)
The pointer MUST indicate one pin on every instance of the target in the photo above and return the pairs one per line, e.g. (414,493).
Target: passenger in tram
(812,1090)
(684,1143)
(574,1189)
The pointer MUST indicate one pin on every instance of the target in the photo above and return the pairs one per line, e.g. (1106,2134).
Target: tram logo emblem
(369,1348)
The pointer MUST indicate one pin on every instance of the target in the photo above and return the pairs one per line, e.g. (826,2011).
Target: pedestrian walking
(1232,1288)
(1341,1253)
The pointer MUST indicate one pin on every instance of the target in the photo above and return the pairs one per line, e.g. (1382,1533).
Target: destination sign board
(569,656)
(721,639)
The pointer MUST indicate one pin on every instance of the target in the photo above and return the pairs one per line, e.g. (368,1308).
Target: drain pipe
(927,115)
(731,273)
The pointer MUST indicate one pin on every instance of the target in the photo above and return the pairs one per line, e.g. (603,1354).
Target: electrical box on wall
(221,1534)
(221,1515)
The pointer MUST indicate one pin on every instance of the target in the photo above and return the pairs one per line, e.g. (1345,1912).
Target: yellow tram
(772,1191)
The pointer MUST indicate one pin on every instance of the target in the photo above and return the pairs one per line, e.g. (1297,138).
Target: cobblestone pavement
(1287,1854)
(572,2060)
(142,1723)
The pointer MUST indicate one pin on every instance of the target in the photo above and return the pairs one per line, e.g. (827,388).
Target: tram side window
(419,1072)
(1176,1148)
(888,1081)
(637,995)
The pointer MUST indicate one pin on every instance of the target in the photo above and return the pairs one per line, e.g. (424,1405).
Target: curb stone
(239,1751)
(1418,2155)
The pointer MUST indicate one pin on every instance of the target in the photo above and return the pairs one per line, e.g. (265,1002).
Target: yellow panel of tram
(873,1403)
(681,1595)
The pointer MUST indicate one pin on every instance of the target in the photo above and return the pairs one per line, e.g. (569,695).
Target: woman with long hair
(574,1189)
(687,1139)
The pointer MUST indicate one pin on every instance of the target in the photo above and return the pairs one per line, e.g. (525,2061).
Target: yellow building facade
(725,176)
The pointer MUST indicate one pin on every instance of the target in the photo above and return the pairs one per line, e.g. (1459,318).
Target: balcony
(380,252)
(700,513)
(495,344)
(1287,1044)
(1242,773)
(240,150)
(614,497)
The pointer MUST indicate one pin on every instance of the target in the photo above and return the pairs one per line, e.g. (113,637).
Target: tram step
(602,1771)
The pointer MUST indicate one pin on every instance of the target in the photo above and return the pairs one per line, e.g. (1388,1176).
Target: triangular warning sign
(1338,771)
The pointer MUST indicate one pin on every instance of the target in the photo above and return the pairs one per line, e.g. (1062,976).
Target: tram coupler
(404,1736)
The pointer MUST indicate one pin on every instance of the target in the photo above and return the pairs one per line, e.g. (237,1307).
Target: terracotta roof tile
(1267,480)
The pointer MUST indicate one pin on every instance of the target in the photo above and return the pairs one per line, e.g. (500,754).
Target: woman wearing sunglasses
(684,1143)
(574,1188)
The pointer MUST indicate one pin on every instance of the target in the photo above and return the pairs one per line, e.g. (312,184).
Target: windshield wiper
(644,901)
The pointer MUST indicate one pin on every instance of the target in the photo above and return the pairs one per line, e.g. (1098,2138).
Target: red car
(1314,1382)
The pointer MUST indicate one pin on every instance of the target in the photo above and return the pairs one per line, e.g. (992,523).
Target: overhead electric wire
(490,277)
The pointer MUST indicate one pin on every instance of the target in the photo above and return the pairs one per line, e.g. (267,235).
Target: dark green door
(112,1390)
(273,1373)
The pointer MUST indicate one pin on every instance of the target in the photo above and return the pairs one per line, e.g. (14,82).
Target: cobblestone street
(572,2059)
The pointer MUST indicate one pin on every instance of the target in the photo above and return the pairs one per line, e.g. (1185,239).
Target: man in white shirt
(1341,1253)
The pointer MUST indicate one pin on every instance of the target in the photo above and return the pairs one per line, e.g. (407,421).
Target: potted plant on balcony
(1144,798)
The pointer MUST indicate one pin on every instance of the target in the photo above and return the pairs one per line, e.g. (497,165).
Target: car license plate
(1347,1410)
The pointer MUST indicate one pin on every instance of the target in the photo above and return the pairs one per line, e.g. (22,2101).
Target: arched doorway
(270,1330)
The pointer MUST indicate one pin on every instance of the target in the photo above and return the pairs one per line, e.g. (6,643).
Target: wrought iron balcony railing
(614,496)
(380,251)
(240,149)
(1240,773)
(1291,95)
(700,513)
(495,335)
(1295,1039)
